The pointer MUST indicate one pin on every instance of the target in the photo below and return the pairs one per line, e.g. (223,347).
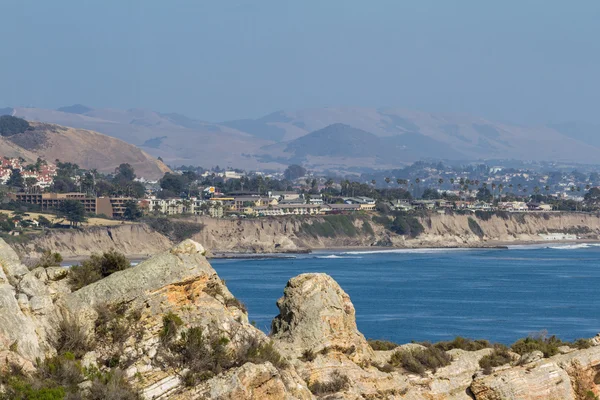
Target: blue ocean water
(403,295)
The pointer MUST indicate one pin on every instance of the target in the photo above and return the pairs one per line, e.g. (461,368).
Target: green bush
(49,259)
(259,352)
(337,383)
(173,229)
(500,356)
(382,345)
(112,385)
(171,323)
(72,338)
(330,226)
(367,228)
(97,267)
(475,228)
(463,344)
(549,346)
(406,225)
(383,220)
(420,360)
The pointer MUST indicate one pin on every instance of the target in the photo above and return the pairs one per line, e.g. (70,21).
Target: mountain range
(328,138)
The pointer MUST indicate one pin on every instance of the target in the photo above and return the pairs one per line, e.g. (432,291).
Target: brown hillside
(86,148)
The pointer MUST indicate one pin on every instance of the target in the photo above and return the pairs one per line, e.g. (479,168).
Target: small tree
(132,211)
(73,211)
(16,179)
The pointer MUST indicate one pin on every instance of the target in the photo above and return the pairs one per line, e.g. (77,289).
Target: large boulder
(316,315)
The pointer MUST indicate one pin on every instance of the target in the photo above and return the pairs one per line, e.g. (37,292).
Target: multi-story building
(110,206)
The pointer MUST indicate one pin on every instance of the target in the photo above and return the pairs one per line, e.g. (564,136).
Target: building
(113,207)
(291,209)
(281,196)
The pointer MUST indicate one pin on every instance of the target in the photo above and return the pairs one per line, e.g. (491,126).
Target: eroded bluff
(171,329)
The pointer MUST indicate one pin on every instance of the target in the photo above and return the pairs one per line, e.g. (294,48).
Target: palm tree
(387,180)
(417,181)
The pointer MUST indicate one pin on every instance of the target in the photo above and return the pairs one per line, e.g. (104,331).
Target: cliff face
(176,332)
(268,235)
(440,230)
(135,240)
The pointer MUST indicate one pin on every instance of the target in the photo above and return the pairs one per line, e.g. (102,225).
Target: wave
(332,256)
(574,246)
(422,250)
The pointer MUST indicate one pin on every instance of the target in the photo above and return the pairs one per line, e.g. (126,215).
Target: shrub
(173,229)
(420,360)
(547,345)
(463,344)
(475,228)
(382,220)
(331,226)
(203,356)
(234,302)
(581,344)
(500,356)
(112,385)
(82,275)
(406,225)
(308,355)
(49,259)
(72,338)
(63,370)
(171,322)
(337,382)
(382,345)
(115,325)
(97,267)
(367,228)
(260,352)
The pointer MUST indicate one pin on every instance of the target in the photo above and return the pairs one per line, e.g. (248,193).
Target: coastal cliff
(169,328)
(295,234)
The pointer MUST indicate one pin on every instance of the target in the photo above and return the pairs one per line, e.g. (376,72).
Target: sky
(519,61)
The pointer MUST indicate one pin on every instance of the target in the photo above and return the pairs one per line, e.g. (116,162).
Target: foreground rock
(178,333)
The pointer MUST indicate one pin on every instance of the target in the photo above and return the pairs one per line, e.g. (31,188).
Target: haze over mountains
(338,138)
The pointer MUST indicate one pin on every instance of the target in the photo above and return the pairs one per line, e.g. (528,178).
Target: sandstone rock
(57,273)
(316,314)
(252,381)
(528,358)
(544,380)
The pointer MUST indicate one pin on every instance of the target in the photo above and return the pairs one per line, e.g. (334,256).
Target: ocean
(436,294)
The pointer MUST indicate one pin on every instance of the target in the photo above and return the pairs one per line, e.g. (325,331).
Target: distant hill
(75,109)
(389,137)
(337,144)
(86,148)
(174,137)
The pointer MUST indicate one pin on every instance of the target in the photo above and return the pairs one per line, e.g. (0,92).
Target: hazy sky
(521,61)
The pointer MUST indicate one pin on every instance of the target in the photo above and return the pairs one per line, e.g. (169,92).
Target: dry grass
(90,221)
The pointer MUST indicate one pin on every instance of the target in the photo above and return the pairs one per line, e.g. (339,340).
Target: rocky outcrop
(316,315)
(142,319)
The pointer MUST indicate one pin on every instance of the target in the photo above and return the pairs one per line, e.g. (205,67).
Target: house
(280,196)
(339,208)
(512,206)
(539,207)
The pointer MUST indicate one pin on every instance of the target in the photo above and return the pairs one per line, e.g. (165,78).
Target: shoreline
(499,245)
